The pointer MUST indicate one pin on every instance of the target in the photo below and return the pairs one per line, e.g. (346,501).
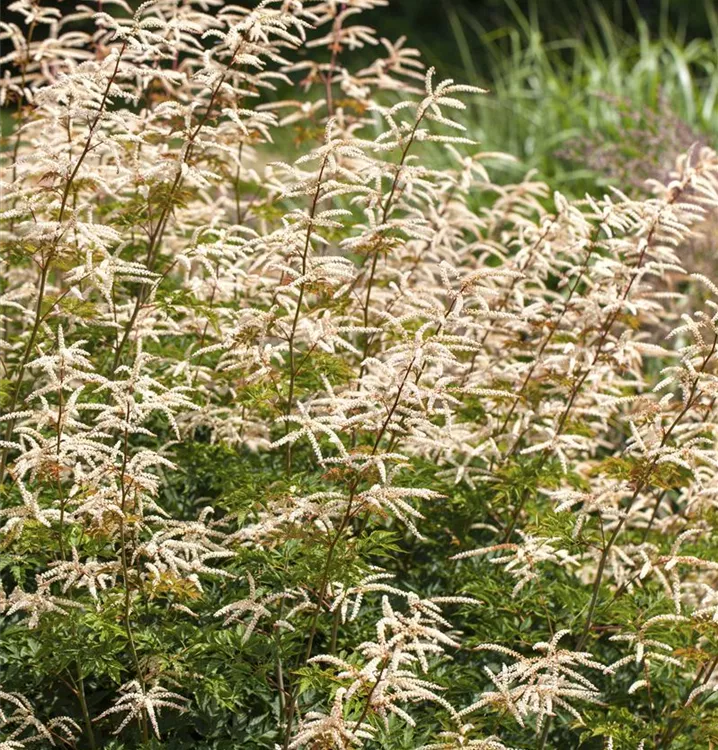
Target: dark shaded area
(426,22)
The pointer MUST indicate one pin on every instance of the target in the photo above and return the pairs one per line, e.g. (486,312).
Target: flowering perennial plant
(316,432)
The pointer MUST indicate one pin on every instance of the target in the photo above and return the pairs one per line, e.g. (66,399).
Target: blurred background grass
(589,93)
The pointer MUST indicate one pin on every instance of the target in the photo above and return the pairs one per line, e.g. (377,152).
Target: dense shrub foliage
(312,438)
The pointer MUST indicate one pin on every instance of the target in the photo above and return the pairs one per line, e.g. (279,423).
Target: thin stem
(85,711)
(300,299)
(22,368)
(23,77)
(348,515)
(335,631)
(48,259)
(544,734)
(125,571)
(367,704)
(155,239)
(60,492)
(553,328)
(375,255)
